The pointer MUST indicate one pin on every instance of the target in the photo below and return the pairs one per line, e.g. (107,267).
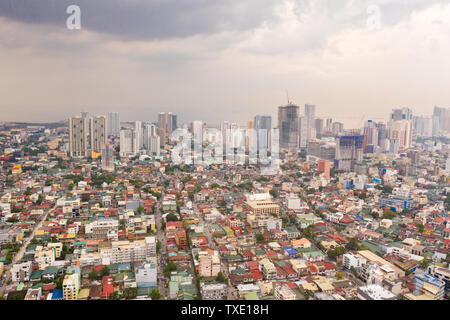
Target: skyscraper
(167,123)
(127,141)
(78,136)
(263,127)
(113,124)
(98,133)
(370,132)
(151,140)
(108,158)
(288,127)
(138,136)
(319,124)
(310,114)
(349,151)
(441,121)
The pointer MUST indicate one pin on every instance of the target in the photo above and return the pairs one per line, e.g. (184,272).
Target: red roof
(257,274)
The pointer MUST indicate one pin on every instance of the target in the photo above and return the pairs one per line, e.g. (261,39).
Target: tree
(115,296)
(130,293)
(158,245)
(352,244)
(104,271)
(171,266)
(425,263)
(388,214)
(221,278)
(421,227)
(274,193)
(259,237)
(155,295)
(340,275)
(93,275)
(171,217)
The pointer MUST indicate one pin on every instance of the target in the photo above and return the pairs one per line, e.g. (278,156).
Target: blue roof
(57,294)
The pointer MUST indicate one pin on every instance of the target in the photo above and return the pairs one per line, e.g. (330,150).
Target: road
(162,254)
(19,255)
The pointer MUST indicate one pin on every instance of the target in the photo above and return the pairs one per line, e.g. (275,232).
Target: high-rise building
(349,151)
(263,128)
(303,132)
(401,114)
(310,114)
(167,123)
(138,136)
(288,127)
(423,126)
(151,139)
(127,141)
(441,121)
(370,132)
(98,133)
(328,125)
(108,158)
(401,131)
(113,124)
(319,124)
(337,128)
(78,136)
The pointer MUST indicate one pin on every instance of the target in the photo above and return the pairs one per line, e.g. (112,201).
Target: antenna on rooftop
(287,95)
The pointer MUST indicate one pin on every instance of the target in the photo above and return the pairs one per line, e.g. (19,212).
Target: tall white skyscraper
(127,141)
(310,115)
(303,131)
(113,124)
(151,139)
(138,136)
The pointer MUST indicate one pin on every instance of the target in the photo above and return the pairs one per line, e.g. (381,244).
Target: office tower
(401,114)
(138,136)
(167,123)
(441,121)
(370,132)
(422,126)
(401,131)
(151,139)
(197,129)
(108,158)
(349,151)
(127,141)
(98,133)
(337,128)
(328,125)
(310,114)
(303,132)
(319,125)
(288,127)
(162,128)
(113,124)
(263,128)
(78,136)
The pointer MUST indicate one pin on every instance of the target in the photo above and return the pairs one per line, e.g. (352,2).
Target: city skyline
(224,61)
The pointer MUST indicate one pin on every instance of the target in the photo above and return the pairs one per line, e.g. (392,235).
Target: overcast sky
(215,60)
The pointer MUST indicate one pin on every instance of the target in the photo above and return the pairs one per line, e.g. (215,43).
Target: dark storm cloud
(146,19)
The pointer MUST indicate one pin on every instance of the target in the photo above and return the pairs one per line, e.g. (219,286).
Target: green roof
(252,295)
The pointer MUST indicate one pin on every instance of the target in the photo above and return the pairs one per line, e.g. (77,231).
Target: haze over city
(223,60)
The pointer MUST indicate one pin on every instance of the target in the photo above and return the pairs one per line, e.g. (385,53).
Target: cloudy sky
(216,60)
